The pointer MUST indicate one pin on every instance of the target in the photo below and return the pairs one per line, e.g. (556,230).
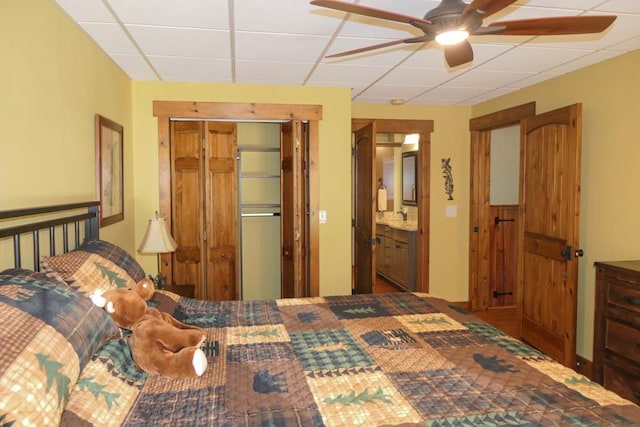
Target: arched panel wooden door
(550,203)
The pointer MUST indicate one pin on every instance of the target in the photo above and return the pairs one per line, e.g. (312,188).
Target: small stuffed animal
(159,343)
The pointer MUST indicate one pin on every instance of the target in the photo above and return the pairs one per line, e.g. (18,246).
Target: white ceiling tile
(192,69)
(627,45)
(278,47)
(620,6)
(250,15)
(536,78)
(454,93)
(211,14)
(346,74)
(566,4)
(272,72)
(135,66)
(285,42)
(413,76)
(488,79)
(110,37)
(531,59)
(180,42)
(392,92)
(86,10)
(585,61)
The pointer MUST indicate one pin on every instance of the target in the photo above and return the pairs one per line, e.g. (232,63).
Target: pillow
(94,265)
(49,333)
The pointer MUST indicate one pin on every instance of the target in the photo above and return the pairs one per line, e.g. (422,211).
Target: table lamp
(157,240)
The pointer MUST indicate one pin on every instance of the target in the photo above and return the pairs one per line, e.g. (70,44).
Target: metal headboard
(31,221)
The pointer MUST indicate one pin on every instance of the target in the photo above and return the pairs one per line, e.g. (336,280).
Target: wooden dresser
(616,344)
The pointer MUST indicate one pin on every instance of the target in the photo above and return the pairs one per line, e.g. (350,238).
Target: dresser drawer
(623,340)
(622,382)
(623,296)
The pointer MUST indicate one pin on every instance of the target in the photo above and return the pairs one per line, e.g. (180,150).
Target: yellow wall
(334,170)
(449,240)
(53,80)
(610,199)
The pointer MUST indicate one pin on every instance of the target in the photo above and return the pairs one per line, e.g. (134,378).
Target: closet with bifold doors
(236,208)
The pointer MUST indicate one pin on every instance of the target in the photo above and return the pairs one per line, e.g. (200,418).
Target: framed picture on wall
(109,170)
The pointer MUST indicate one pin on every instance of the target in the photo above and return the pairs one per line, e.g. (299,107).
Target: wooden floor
(383,286)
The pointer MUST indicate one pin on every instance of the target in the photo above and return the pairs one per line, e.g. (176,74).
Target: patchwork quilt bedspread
(369,360)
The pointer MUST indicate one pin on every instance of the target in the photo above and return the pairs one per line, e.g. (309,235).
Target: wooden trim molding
(235,111)
(500,119)
(167,110)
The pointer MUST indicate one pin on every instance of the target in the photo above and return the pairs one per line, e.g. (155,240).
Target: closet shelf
(248,148)
(259,175)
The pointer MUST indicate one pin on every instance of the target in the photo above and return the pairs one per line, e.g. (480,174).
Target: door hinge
(204,143)
(204,236)
(297,236)
(297,143)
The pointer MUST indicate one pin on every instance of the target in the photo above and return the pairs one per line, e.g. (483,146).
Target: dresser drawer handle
(631,300)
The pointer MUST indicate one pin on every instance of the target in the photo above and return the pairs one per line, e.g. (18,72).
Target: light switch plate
(451,211)
(323,217)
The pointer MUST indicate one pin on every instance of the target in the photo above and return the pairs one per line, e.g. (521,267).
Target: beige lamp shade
(157,239)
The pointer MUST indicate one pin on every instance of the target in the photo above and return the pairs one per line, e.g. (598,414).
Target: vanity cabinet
(616,344)
(396,256)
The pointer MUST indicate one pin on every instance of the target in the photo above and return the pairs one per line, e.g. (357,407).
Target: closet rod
(261,214)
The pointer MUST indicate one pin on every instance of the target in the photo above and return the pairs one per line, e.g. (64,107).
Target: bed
(372,360)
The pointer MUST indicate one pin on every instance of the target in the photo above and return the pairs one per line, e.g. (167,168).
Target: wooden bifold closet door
(204,193)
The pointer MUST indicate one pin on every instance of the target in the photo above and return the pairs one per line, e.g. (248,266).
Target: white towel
(382,199)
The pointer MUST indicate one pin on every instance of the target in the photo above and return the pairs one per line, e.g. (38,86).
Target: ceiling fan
(452,21)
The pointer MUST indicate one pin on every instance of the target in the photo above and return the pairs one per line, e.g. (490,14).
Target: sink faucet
(404,215)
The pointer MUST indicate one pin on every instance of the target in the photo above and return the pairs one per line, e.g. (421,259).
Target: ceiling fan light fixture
(447,38)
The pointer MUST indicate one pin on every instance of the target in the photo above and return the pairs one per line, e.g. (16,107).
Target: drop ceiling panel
(285,42)
(211,14)
(182,42)
(192,69)
(110,37)
(532,59)
(278,47)
(136,66)
(86,11)
(290,74)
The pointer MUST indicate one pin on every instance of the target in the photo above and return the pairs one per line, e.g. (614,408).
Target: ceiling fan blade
(369,11)
(487,7)
(555,25)
(379,46)
(458,54)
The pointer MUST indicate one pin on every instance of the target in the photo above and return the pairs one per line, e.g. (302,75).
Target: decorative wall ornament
(448,177)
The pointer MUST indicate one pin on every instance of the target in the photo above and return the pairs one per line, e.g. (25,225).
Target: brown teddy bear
(159,343)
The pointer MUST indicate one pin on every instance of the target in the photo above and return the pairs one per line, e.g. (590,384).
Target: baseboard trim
(584,366)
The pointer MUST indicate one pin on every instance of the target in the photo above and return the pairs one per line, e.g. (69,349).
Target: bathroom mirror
(409,185)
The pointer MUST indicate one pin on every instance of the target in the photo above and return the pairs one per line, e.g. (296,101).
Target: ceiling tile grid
(286,42)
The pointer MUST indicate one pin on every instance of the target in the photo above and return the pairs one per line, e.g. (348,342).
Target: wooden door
(292,209)
(187,207)
(365,224)
(221,211)
(488,245)
(550,201)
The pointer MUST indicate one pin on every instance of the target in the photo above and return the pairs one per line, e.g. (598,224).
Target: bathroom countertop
(398,224)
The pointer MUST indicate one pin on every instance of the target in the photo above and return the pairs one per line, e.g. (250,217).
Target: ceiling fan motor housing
(448,16)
